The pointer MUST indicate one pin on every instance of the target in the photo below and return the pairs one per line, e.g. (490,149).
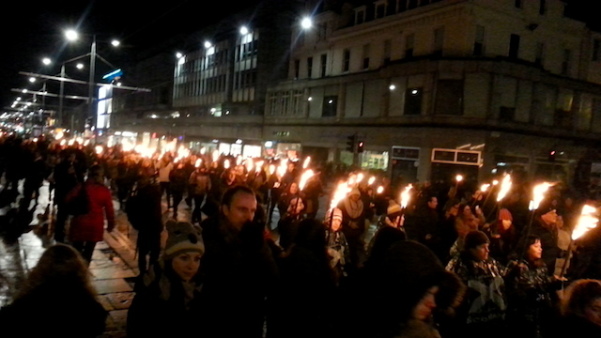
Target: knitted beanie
(407,271)
(504,214)
(182,237)
(474,239)
(335,213)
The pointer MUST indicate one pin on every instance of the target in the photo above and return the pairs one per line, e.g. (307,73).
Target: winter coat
(164,306)
(48,313)
(90,227)
(485,300)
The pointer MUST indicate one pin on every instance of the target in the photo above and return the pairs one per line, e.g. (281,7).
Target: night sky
(32,30)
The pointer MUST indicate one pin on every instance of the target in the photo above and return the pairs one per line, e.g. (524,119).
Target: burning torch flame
(505,187)
(307,161)
(341,190)
(380,190)
(371,180)
(405,196)
(484,187)
(538,194)
(198,163)
(459,178)
(304,178)
(588,220)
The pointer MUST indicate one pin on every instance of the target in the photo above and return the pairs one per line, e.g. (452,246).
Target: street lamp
(73,35)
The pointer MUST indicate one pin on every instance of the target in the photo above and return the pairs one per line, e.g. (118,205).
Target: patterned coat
(485,298)
(90,227)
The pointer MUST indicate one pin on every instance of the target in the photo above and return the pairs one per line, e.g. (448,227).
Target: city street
(113,266)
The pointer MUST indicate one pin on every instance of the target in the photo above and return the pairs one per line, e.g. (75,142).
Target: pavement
(114,264)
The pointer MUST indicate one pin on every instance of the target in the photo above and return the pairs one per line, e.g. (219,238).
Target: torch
(538,194)
(588,220)
(503,190)
(342,189)
(405,197)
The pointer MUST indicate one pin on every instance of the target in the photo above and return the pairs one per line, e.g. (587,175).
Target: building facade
(439,88)
(431,88)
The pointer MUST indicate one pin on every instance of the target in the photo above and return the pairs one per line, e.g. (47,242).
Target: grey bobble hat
(182,237)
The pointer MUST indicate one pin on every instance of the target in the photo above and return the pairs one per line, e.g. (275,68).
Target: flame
(405,196)
(371,180)
(215,155)
(226,163)
(484,187)
(259,166)
(380,190)
(459,178)
(360,177)
(538,194)
(271,169)
(588,220)
(98,149)
(505,187)
(304,178)
(198,162)
(307,161)
(341,190)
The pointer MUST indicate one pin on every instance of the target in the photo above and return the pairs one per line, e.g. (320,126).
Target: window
(449,97)
(330,104)
(506,114)
(438,41)
(366,56)
(324,64)
(596,50)
(387,48)
(479,41)
(540,54)
(296,68)
(542,7)
(518,4)
(360,16)
(309,67)
(413,101)
(409,44)
(380,10)
(346,60)
(565,64)
(322,30)
(514,46)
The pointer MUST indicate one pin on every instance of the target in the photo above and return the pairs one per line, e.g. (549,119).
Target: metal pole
(91,83)
(60,96)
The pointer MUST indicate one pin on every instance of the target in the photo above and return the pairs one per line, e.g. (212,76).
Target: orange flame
(588,220)
(405,196)
(538,194)
(505,187)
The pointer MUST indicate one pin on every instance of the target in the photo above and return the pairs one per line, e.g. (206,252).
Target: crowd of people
(452,261)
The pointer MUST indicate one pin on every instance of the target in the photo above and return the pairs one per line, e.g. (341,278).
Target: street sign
(113,75)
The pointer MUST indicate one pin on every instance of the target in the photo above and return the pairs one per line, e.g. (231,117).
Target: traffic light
(360,145)
(351,143)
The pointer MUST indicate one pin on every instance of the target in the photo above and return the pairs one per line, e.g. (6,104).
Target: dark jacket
(160,307)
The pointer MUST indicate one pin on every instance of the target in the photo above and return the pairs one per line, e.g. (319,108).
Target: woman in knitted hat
(412,285)
(167,301)
(530,290)
(484,305)
(503,236)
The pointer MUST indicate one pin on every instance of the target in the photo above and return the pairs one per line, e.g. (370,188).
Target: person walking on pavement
(178,181)
(238,266)
(67,174)
(168,298)
(201,182)
(143,209)
(57,299)
(88,229)
(164,167)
